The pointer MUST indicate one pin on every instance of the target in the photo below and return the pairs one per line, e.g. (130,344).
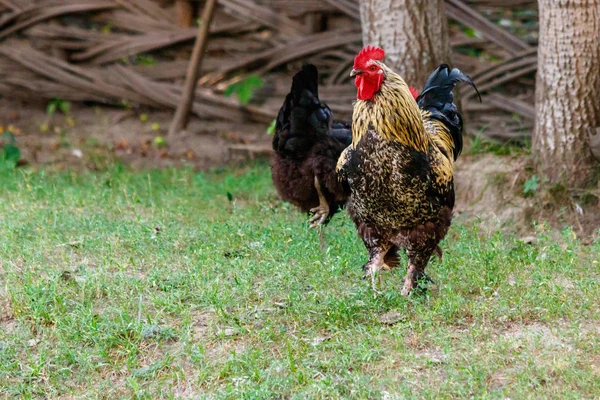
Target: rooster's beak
(355,72)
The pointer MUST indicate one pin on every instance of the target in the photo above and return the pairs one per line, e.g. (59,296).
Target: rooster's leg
(375,264)
(416,271)
(410,280)
(321,211)
(413,279)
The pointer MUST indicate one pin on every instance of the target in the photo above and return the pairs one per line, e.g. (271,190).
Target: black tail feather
(437,98)
(306,79)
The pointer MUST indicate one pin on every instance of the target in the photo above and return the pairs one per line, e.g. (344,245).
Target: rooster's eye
(373,68)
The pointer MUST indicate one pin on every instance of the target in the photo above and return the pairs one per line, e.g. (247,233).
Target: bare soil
(490,189)
(92,135)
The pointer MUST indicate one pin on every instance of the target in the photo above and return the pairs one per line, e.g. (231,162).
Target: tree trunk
(413,33)
(567,90)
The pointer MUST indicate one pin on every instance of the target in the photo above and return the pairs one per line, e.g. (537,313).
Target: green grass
(154,285)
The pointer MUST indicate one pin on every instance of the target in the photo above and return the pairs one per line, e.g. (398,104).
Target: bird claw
(414,279)
(371,272)
(386,267)
(320,214)
(407,287)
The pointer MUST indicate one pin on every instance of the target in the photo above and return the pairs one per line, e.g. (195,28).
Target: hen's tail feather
(306,79)
(437,98)
(303,117)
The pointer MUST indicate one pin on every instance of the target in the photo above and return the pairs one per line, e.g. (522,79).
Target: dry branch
(187,98)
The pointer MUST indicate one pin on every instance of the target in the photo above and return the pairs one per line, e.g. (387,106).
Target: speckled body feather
(400,171)
(307,144)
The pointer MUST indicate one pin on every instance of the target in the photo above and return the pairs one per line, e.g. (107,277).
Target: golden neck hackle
(393,114)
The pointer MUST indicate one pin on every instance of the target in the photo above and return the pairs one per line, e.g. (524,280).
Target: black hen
(307,145)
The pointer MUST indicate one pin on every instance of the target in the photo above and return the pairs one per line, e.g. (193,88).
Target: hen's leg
(391,259)
(321,211)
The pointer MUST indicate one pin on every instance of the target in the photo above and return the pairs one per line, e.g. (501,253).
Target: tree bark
(567,90)
(413,33)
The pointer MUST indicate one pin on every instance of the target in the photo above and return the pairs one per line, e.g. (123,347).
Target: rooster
(399,166)
(307,145)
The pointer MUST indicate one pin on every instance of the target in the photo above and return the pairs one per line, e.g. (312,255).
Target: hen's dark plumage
(307,145)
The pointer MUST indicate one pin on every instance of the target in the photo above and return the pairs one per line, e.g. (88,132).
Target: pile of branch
(136,52)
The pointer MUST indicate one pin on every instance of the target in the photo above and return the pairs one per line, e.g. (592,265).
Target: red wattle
(414,92)
(367,86)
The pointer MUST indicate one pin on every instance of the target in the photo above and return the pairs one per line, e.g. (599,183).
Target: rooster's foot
(371,272)
(412,280)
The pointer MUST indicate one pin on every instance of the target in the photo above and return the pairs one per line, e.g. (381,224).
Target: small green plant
(144,59)
(479,144)
(159,142)
(63,139)
(530,186)
(58,105)
(10,153)
(271,128)
(470,32)
(245,88)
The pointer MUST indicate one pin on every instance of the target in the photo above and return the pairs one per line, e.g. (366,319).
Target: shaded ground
(91,136)
(490,188)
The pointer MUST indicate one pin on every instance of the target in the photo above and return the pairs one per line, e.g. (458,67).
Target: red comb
(369,53)
(414,92)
